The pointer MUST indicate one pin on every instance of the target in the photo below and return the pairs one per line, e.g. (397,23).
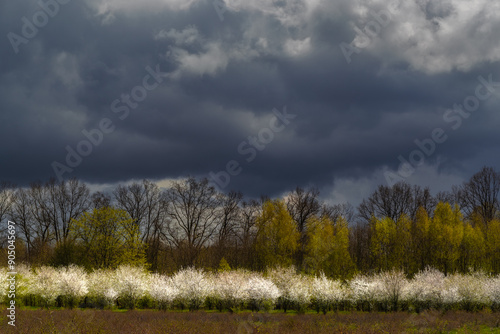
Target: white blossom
(131,282)
(72,281)
(101,284)
(192,286)
(45,284)
(326,290)
(260,288)
(162,289)
(281,286)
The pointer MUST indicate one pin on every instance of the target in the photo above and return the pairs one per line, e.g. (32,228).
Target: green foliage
(493,245)
(404,244)
(108,238)
(327,249)
(383,243)
(277,236)
(392,244)
(420,240)
(66,252)
(224,266)
(446,234)
(445,242)
(473,248)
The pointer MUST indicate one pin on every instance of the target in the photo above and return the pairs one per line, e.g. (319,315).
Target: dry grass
(148,321)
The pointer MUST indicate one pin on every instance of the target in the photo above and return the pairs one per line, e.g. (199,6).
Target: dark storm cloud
(221,79)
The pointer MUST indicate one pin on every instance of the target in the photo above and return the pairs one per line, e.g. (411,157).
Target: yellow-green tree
(403,256)
(420,236)
(473,248)
(277,236)
(383,243)
(391,243)
(342,265)
(108,237)
(493,245)
(446,234)
(327,248)
(319,243)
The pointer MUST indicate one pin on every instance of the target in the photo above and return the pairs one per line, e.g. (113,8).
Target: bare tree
(46,211)
(359,245)
(6,192)
(392,202)
(40,208)
(72,199)
(448,197)
(229,213)
(191,217)
(335,211)
(247,230)
(100,200)
(30,212)
(480,194)
(22,212)
(132,199)
(303,204)
(422,197)
(145,204)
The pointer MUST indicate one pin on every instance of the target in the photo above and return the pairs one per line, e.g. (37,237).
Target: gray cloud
(224,78)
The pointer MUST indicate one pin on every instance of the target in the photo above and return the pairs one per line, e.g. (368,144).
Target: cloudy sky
(262,96)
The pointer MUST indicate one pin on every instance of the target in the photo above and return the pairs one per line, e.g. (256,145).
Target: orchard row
(279,288)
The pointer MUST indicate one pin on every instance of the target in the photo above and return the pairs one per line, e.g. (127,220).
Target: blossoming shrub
(241,289)
(262,293)
(326,294)
(162,291)
(295,289)
(72,286)
(102,289)
(132,285)
(192,286)
(44,287)
(492,287)
(279,288)
(425,290)
(227,290)
(364,292)
(467,292)
(22,282)
(394,290)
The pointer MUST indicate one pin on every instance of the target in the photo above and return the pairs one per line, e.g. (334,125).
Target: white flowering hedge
(283,289)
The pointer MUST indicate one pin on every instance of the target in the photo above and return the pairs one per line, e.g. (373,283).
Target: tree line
(190,223)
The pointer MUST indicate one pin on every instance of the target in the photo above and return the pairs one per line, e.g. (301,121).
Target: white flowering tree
(192,286)
(162,291)
(280,288)
(72,283)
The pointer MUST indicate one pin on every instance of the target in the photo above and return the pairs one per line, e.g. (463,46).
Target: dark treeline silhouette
(192,224)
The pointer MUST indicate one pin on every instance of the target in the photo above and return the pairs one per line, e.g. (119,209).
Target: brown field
(148,321)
